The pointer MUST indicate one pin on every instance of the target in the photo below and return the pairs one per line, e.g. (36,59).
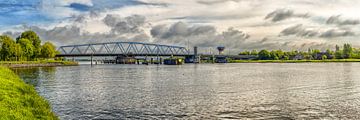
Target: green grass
(65,63)
(294,61)
(68,63)
(20,101)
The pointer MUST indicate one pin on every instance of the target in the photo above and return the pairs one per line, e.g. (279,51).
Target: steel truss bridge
(122,49)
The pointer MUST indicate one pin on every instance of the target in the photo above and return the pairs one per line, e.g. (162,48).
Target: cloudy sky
(236,24)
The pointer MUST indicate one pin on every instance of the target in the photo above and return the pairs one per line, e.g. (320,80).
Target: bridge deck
(105,55)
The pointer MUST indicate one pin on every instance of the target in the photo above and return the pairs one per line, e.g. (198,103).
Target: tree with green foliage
(347,51)
(337,48)
(315,54)
(309,51)
(264,55)
(355,53)
(18,52)
(339,54)
(48,50)
(330,54)
(27,48)
(286,57)
(254,52)
(245,53)
(1,41)
(8,48)
(280,54)
(315,51)
(274,55)
(290,55)
(34,38)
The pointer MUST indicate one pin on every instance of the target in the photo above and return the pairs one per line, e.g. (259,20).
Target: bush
(324,57)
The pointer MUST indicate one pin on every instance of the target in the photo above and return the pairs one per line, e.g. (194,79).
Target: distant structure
(197,57)
(195,50)
(221,49)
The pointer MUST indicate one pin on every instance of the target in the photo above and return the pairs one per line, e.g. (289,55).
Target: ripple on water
(205,91)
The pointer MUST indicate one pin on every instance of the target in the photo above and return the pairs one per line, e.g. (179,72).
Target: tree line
(347,52)
(26,47)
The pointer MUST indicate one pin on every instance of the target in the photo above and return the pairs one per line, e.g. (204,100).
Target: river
(203,91)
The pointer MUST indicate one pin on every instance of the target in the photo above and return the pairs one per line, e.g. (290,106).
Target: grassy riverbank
(294,61)
(42,63)
(20,101)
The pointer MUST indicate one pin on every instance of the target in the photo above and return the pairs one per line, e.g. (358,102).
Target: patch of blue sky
(15,12)
(113,4)
(23,17)
(6,6)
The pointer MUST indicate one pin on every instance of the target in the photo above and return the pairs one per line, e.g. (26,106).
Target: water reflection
(29,75)
(33,75)
(205,91)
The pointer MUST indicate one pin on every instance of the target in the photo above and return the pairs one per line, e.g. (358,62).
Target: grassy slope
(293,61)
(20,101)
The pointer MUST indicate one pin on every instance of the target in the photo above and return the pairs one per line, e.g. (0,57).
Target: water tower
(221,49)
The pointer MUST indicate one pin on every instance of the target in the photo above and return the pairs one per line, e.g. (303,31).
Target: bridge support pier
(91,60)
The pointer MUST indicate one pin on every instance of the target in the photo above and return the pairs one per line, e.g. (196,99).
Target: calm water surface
(206,91)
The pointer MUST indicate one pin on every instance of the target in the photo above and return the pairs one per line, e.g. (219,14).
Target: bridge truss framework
(122,48)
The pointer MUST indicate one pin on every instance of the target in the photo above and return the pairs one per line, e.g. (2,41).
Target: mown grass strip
(37,62)
(295,61)
(43,63)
